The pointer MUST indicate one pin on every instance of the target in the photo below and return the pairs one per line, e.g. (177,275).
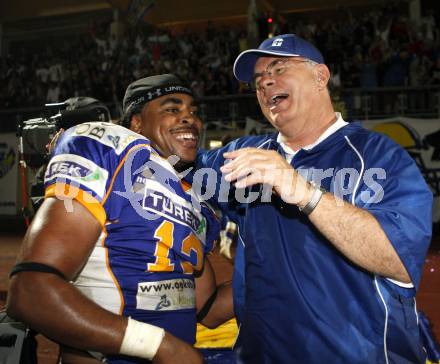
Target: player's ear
(135,123)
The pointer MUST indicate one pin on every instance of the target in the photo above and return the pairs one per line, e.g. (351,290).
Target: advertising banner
(421,138)
(8,173)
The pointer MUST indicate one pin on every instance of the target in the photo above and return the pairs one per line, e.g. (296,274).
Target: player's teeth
(185,136)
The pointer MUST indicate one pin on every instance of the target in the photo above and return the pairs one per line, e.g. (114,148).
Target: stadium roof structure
(165,12)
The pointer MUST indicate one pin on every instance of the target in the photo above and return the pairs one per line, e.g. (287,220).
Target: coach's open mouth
(276,99)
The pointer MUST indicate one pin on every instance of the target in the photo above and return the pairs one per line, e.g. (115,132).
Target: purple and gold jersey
(155,232)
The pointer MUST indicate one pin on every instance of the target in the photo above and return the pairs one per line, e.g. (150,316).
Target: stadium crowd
(363,49)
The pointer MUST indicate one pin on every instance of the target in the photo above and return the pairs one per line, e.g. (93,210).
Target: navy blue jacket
(299,299)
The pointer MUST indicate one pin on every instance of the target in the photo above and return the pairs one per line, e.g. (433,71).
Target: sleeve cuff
(64,191)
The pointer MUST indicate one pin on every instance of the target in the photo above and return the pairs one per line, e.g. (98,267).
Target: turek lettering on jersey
(160,202)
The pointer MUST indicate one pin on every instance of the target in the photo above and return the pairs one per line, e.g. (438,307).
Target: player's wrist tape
(314,200)
(141,339)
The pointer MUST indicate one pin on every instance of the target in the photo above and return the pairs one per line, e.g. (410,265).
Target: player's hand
(250,166)
(175,351)
(51,146)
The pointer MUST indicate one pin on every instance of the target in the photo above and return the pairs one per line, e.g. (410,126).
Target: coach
(334,256)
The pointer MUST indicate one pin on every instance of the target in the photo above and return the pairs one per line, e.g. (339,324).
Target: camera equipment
(37,133)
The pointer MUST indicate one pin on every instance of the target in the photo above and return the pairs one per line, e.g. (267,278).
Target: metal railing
(378,103)
(359,104)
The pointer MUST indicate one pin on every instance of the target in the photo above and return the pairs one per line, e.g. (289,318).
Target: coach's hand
(175,351)
(250,166)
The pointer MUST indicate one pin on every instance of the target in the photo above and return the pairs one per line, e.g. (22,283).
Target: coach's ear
(323,76)
(135,123)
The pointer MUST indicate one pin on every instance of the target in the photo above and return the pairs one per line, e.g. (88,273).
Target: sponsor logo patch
(71,169)
(168,295)
(112,135)
(78,170)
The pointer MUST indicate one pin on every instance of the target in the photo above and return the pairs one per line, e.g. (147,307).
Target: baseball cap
(149,88)
(286,45)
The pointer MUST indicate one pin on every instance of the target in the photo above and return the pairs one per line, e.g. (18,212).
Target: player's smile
(187,136)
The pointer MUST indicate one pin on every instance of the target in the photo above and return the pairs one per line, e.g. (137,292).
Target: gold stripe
(64,191)
(185,185)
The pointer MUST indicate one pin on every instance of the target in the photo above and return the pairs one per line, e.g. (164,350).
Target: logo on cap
(158,93)
(277,42)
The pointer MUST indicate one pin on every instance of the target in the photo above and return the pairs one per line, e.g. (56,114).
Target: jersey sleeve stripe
(185,185)
(64,191)
(121,163)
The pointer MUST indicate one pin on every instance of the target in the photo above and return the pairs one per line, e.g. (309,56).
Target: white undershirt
(290,153)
